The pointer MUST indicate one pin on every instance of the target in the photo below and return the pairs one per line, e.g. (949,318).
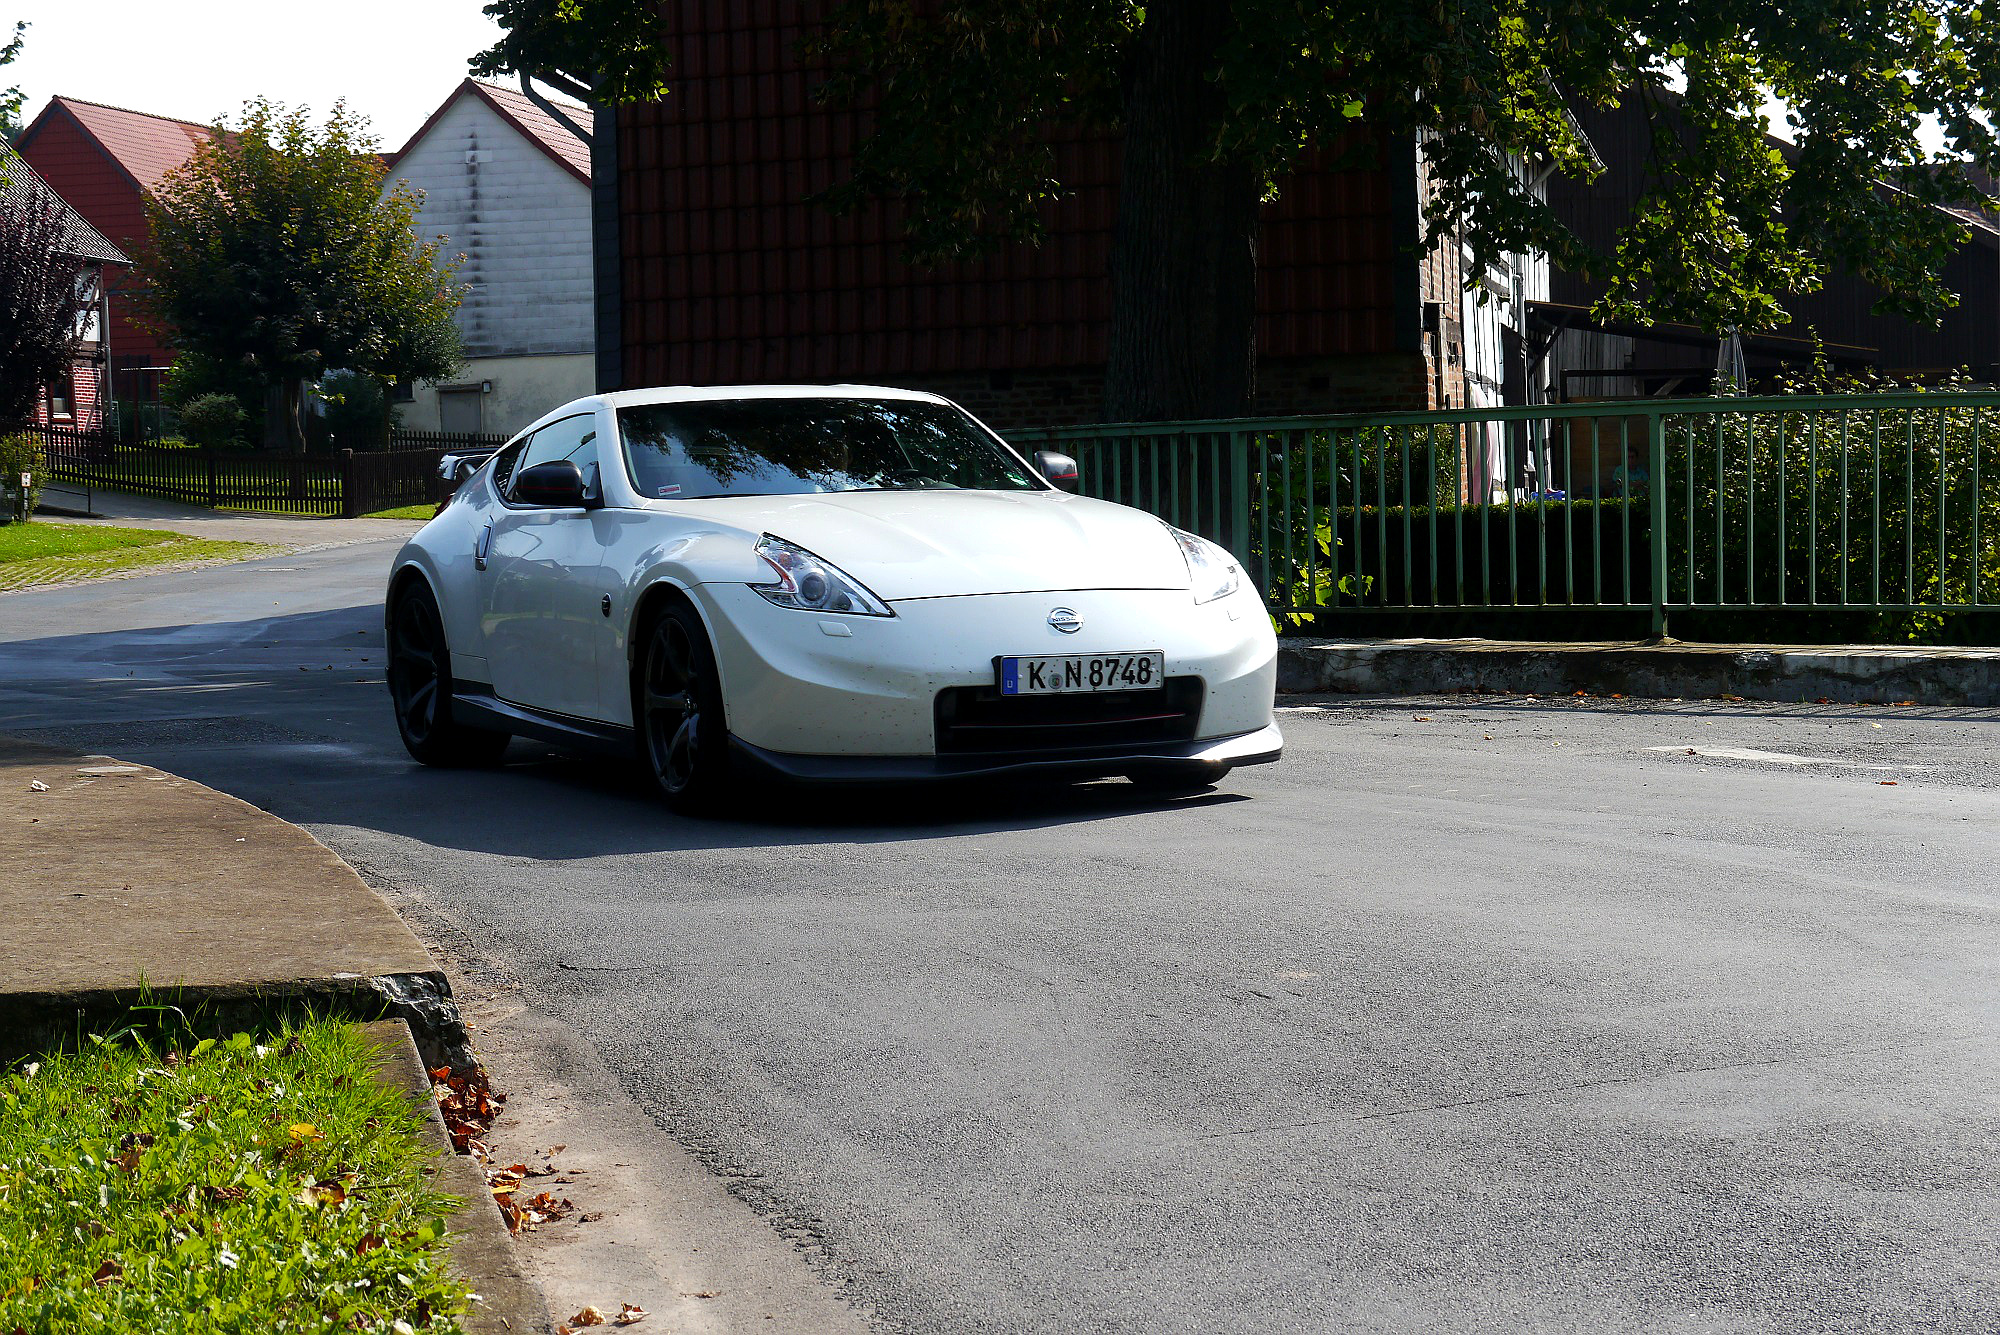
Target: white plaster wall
(523,389)
(523,223)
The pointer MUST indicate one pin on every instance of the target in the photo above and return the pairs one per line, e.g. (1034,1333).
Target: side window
(503,465)
(573,438)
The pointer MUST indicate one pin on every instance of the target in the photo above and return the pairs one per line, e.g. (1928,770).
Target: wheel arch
(408,571)
(665,591)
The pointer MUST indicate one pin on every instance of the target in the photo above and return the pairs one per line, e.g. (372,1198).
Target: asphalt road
(1470,1015)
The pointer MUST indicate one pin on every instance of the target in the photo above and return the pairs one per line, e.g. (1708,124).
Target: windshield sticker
(670,491)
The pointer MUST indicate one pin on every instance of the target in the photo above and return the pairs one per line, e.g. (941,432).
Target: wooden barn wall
(729,274)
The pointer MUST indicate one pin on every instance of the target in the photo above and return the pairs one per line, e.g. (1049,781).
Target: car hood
(945,544)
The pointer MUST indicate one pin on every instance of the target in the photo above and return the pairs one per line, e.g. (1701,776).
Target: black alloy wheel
(420,685)
(677,704)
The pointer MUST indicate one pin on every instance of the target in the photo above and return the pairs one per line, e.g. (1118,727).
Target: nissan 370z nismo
(829,583)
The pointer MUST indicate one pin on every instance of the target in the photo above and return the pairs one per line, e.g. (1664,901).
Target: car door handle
(482,547)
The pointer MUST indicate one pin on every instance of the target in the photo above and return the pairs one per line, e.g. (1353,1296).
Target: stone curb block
(1848,674)
(482,1252)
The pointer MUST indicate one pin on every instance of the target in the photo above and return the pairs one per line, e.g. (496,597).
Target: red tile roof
(563,147)
(146,146)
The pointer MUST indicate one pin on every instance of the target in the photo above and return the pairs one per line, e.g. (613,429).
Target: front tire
(420,684)
(677,706)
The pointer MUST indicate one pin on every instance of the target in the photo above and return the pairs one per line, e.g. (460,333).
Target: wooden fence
(344,484)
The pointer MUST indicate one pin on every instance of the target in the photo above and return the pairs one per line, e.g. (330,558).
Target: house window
(62,398)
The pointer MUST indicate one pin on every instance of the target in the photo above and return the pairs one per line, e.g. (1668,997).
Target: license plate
(1063,674)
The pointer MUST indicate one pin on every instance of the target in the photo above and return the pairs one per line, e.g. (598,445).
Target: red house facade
(80,396)
(713,267)
(104,161)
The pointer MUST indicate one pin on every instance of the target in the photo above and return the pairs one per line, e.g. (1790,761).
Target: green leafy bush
(358,414)
(22,454)
(213,421)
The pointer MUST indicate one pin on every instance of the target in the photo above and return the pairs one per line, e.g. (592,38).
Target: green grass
(423,511)
(34,541)
(43,553)
(252,1184)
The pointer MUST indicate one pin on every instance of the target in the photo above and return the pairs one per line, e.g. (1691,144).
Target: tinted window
(752,447)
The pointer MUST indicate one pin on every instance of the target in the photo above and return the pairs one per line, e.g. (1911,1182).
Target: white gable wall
(523,223)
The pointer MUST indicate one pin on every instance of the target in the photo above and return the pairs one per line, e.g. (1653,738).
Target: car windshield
(782,447)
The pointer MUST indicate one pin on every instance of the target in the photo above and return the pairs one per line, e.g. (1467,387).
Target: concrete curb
(481,1250)
(1845,673)
(121,875)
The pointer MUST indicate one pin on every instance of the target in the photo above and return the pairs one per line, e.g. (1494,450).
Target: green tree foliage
(11,98)
(275,250)
(594,50)
(1217,100)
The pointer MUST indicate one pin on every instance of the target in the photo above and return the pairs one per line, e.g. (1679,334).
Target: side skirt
(478,707)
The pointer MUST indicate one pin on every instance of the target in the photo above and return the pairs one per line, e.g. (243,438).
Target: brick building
(80,396)
(104,162)
(713,267)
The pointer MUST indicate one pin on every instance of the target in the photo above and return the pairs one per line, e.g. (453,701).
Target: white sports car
(829,583)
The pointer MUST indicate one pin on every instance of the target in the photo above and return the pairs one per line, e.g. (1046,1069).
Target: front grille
(978,720)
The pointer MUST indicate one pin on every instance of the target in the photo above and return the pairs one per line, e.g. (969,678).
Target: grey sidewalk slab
(1930,675)
(116,873)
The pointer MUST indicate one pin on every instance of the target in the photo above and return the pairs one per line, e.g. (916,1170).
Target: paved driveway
(1468,1016)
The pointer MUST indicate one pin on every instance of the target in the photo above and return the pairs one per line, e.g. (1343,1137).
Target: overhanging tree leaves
(275,250)
(594,50)
(1217,99)
(40,332)
(11,98)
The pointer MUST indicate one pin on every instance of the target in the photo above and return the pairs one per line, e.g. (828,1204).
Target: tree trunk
(284,427)
(1184,248)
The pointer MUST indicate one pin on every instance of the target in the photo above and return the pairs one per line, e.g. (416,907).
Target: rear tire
(677,712)
(420,684)
(1182,780)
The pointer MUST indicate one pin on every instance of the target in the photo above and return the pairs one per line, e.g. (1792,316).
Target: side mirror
(1059,469)
(556,484)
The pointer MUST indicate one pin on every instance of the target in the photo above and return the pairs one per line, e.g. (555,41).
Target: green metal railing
(1878,502)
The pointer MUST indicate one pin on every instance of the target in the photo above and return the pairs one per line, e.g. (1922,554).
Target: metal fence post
(1656,465)
(350,500)
(1239,507)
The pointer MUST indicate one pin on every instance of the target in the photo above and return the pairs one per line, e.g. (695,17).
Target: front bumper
(1250,748)
(808,686)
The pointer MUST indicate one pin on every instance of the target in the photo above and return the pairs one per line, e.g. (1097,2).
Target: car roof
(626,398)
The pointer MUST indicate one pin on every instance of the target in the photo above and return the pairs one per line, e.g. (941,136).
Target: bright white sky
(393,60)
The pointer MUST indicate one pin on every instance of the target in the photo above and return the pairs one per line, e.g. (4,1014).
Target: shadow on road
(290,713)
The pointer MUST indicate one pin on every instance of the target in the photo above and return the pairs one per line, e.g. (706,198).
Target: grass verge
(424,511)
(257,1183)
(44,553)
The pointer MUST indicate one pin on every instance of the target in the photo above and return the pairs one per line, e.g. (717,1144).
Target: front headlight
(1214,572)
(812,585)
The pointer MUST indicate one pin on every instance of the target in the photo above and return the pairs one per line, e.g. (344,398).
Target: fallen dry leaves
(467,1104)
(629,1314)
